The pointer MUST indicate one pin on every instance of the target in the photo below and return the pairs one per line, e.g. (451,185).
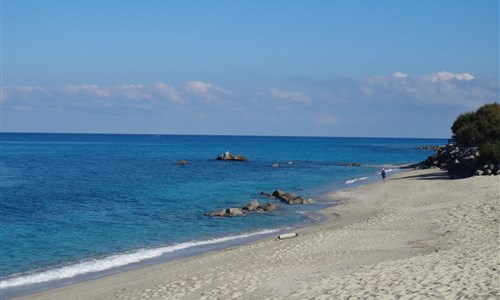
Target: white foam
(118,260)
(355,179)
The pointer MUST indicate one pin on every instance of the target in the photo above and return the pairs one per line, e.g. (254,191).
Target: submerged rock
(354,164)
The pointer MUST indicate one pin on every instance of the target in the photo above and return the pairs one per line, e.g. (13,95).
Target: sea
(80,206)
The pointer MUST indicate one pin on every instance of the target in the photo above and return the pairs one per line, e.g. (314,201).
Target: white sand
(416,236)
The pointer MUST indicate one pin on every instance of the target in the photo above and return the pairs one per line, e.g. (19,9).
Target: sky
(363,68)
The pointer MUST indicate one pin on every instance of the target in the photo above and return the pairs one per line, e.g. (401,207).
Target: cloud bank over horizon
(321,107)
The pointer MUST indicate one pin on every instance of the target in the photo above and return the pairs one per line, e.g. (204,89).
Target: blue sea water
(76,204)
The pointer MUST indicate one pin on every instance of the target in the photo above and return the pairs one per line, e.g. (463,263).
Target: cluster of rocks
(350,164)
(430,147)
(229,156)
(460,162)
(288,198)
(252,206)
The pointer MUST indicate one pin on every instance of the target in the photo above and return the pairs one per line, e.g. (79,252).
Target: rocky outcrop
(460,162)
(290,198)
(251,207)
(229,156)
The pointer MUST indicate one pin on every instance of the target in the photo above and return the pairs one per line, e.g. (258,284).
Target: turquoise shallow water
(74,204)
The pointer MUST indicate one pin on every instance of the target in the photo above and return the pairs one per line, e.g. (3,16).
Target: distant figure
(383,173)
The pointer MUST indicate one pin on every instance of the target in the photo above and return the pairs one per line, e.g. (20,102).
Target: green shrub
(480,129)
(490,152)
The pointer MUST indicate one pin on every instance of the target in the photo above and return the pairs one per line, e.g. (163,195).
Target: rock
(459,161)
(275,165)
(267,195)
(217,213)
(182,162)
(432,147)
(277,193)
(251,206)
(289,198)
(479,172)
(233,212)
(229,156)
(268,207)
(350,165)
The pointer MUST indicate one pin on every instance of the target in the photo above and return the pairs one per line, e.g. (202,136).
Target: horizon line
(226,135)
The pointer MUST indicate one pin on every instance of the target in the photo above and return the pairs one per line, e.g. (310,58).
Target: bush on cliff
(480,129)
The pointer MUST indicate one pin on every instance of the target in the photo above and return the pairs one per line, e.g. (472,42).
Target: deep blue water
(76,203)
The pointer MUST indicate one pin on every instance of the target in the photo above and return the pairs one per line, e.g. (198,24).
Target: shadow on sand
(437,175)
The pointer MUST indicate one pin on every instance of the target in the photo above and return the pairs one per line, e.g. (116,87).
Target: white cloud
(169,92)
(443,88)
(22,92)
(288,96)
(198,87)
(399,75)
(206,91)
(92,89)
(134,92)
(446,76)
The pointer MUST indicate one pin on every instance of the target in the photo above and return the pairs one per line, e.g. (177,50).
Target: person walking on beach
(383,174)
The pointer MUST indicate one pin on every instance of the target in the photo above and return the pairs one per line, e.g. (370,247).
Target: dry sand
(418,235)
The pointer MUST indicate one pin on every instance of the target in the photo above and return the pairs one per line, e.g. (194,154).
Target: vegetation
(480,129)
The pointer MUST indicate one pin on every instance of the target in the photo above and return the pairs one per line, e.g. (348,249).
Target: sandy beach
(418,235)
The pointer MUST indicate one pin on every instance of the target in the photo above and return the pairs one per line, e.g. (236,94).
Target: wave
(355,179)
(117,260)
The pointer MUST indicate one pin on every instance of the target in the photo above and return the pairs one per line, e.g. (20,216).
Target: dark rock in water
(182,162)
(267,207)
(229,156)
(350,165)
(431,147)
(251,206)
(290,198)
(233,212)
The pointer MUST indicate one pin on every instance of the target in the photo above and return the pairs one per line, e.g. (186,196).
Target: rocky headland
(460,162)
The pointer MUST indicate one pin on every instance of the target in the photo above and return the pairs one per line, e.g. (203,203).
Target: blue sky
(314,68)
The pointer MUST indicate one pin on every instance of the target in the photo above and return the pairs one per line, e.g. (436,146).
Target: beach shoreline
(383,239)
